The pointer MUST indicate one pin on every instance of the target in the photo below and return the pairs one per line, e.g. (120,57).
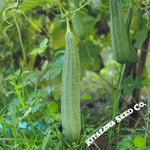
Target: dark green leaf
(138,83)
(55,69)
(125,144)
(141,35)
(89,56)
(129,85)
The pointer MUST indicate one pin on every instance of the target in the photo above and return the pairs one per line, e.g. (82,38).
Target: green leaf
(141,35)
(59,52)
(134,148)
(45,140)
(36,51)
(138,83)
(86,97)
(47,90)
(139,141)
(89,56)
(57,117)
(32,76)
(125,144)
(57,36)
(52,107)
(43,44)
(55,69)
(129,85)
(27,5)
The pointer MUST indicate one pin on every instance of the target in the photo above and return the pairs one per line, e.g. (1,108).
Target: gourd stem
(68,25)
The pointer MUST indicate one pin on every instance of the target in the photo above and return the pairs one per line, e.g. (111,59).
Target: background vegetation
(32,46)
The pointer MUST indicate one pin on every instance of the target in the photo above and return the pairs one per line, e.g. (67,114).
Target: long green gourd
(133,57)
(77,20)
(122,48)
(129,19)
(70,92)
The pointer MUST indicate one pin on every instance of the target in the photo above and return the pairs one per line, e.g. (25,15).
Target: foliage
(133,143)
(129,85)
(32,48)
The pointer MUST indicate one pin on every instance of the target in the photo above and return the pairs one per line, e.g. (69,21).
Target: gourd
(118,35)
(133,57)
(77,20)
(70,92)
(129,19)
(122,48)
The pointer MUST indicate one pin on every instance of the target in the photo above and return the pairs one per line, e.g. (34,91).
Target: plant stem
(20,40)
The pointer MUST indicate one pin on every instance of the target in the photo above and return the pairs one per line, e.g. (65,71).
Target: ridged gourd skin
(70,92)
(133,57)
(118,36)
(77,21)
(122,47)
(129,19)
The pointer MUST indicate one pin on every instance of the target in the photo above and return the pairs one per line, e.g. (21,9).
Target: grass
(31,121)
(30,100)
